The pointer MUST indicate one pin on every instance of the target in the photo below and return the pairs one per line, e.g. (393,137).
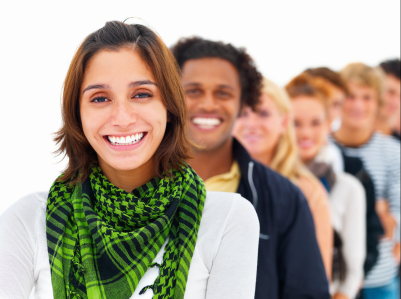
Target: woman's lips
(252,138)
(306,144)
(124,146)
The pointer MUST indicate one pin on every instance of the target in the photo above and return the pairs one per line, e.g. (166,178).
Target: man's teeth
(206,122)
(125,140)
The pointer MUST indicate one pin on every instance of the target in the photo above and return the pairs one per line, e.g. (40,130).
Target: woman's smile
(125,142)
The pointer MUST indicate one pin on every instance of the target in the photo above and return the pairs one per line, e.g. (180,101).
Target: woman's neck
(264,158)
(128,180)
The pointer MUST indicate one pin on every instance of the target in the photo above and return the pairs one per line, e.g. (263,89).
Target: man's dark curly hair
(250,78)
(391,67)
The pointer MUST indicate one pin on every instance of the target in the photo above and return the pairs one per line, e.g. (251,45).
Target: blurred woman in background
(310,100)
(268,135)
(337,92)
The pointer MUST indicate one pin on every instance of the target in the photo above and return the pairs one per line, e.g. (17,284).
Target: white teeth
(127,140)
(206,122)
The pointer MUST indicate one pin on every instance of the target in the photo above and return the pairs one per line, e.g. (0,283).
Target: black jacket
(374,227)
(289,264)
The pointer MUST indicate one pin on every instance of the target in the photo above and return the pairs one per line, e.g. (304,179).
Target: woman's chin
(308,157)
(124,164)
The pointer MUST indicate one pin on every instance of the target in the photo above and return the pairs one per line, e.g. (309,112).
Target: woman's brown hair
(174,148)
(306,85)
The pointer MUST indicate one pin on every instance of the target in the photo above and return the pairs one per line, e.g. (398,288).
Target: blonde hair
(285,157)
(364,75)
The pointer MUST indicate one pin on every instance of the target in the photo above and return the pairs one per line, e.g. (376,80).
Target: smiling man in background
(218,78)
(380,156)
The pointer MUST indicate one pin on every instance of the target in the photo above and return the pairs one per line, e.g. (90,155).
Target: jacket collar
(241,156)
(246,164)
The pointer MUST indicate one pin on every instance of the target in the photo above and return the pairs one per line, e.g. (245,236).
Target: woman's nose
(123,115)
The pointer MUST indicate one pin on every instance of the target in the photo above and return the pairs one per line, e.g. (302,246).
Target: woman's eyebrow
(131,85)
(96,86)
(141,82)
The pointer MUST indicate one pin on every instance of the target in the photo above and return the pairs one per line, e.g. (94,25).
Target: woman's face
(311,126)
(122,113)
(261,130)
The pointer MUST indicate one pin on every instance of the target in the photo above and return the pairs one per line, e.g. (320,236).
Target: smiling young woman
(129,218)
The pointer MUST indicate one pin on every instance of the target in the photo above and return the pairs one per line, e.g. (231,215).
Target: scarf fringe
(153,286)
(143,291)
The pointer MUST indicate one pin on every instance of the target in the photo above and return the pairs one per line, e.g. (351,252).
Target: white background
(38,40)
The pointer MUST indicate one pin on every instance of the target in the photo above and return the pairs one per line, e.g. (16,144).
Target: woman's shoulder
(26,211)
(224,210)
(226,217)
(313,190)
(224,204)
(348,186)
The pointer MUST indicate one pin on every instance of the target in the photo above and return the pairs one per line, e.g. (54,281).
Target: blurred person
(338,91)
(129,218)
(311,106)
(218,79)
(268,135)
(380,155)
(388,121)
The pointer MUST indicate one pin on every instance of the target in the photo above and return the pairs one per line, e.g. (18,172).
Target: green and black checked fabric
(101,240)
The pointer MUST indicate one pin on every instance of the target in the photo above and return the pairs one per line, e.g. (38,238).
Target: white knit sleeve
(353,235)
(17,225)
(233,274)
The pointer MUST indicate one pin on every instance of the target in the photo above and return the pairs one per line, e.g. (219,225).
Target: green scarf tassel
(101,240)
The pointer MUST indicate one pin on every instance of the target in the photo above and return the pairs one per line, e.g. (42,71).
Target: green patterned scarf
(101,240)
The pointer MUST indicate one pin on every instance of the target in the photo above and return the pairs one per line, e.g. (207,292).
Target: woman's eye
(143,95)
(367,98)
(264,113)
(316,123)
(100,100)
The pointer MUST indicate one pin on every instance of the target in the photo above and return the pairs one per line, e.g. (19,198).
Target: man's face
(391,97)
(213,94)
(360,107)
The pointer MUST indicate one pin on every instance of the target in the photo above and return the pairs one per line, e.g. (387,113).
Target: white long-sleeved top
(223,265)
(348,214)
